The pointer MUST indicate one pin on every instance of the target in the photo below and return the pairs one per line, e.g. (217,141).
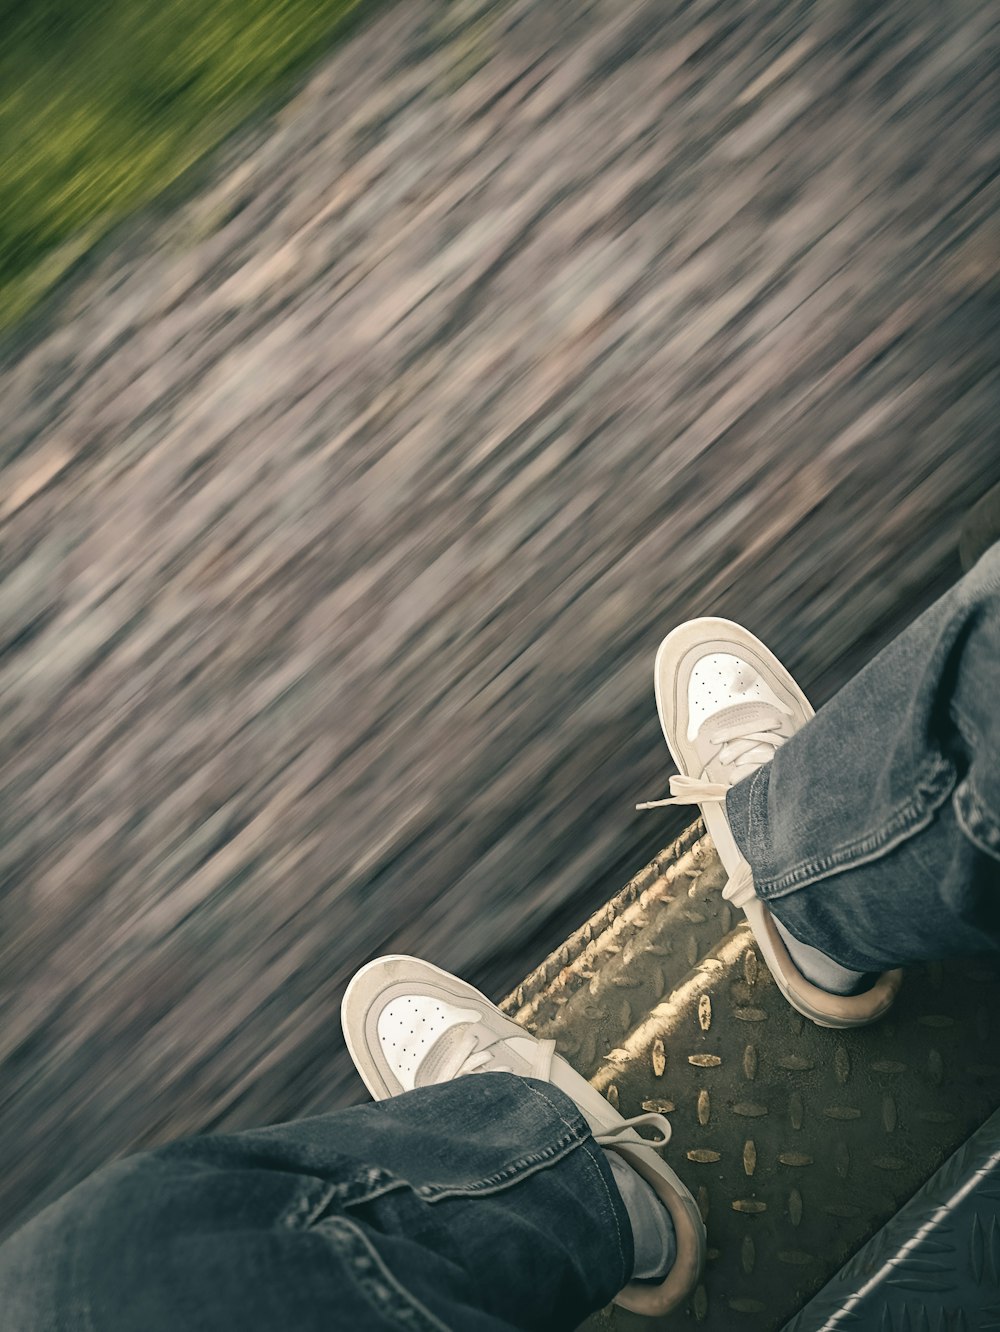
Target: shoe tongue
(752,716)
(749,715)
(446,1056)
(440,1053)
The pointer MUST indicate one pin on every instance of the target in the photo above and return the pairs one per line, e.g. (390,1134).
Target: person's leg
(874,833)
(409,1024)
(866,835)
(482,1203)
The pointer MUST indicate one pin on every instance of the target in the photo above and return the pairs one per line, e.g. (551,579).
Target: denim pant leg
(482,1204)
(874,835)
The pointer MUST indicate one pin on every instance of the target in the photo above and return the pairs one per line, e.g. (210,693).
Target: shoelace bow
(738,749)
(610,1136)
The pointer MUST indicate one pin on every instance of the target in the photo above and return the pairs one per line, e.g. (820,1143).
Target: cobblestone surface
(342,510)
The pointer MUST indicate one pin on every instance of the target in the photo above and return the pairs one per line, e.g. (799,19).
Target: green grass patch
(104,103)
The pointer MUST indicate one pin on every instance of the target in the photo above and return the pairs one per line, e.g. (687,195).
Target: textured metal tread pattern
(935,1265)
(798,1142)
(593,990)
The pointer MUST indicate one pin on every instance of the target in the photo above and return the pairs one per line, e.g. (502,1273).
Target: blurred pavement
(342,510)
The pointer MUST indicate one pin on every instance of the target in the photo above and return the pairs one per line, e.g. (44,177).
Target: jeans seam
(570,1127)
(585,1146)
(406,1311)
(371,1183)
(341,1197)
(976,821)
(907,820)
(308,1208)
(375,1182)
(523,1165)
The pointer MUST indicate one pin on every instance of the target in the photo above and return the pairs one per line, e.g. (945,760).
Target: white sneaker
(726,704)
(409,1024)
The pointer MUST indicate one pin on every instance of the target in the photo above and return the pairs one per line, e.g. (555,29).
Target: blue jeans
(874,835)
(481,1204)
(484,1204)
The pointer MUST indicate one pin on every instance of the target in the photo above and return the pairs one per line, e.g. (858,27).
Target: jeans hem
(933,789)
(577,1131)
(617,1208)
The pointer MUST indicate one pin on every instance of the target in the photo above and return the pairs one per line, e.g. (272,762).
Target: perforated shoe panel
(408,1028)
(720,680)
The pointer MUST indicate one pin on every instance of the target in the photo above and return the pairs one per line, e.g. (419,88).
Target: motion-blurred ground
(342,510)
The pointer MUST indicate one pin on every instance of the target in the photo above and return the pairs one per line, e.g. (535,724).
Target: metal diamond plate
(799,1143)
(592,991)
(936,1264)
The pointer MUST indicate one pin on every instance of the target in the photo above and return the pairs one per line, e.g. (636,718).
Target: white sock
(821,970)
(652,1228)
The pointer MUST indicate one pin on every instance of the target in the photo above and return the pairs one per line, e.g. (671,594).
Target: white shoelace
(467,1055)
(743,751)
(610,1136)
